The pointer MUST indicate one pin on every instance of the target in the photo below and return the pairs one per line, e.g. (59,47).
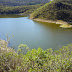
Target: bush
(37,60)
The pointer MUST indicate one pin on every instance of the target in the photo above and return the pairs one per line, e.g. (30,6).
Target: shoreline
(63,24)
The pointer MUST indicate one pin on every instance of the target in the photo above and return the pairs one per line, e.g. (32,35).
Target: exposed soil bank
(63,24)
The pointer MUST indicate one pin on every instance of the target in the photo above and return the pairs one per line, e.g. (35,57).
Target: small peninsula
(56,11)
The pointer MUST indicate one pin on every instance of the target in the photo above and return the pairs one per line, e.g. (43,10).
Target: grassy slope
(55,10)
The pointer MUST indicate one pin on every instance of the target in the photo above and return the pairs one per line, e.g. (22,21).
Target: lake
(34,34)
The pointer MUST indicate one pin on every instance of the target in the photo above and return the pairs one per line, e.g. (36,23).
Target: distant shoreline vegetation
(35,60)
(22,2)
(20,10)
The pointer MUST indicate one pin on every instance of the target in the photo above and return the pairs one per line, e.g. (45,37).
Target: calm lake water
(34,34)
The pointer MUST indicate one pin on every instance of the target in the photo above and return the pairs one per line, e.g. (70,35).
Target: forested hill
(22,2)
(55,10)
(22,10)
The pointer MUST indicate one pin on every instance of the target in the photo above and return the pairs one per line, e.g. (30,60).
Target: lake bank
(63,24)
(34,34)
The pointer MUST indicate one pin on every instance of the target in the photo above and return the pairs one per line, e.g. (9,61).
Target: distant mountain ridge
(22,2)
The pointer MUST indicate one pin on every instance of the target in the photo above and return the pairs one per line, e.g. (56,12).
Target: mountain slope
(55,10)
(22,10)
(22,2)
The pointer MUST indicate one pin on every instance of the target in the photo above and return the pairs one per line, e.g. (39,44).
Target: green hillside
(22,2)
(55,10)
(25,10)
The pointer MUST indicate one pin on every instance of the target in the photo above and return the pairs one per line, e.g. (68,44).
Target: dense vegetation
(22,2)
(35,60)
(18,9)
(55,10)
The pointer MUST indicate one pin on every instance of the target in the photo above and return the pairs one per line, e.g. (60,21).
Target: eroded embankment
(63,24)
